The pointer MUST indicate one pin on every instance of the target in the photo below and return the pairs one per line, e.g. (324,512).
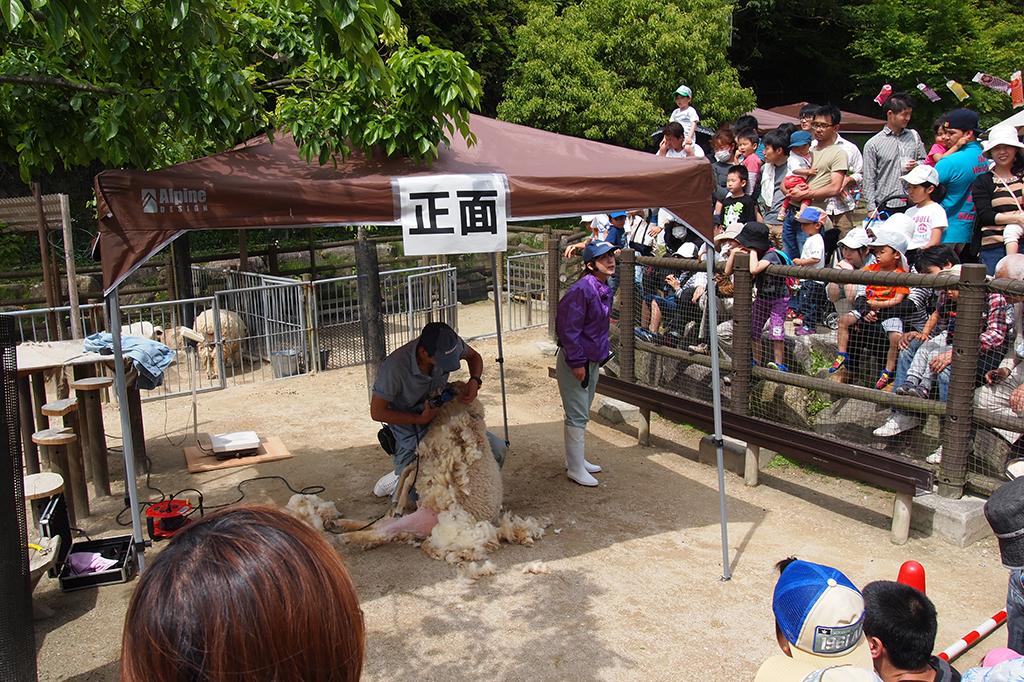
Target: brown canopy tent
(852,123)
(264,184)
(267,184)
(769,119)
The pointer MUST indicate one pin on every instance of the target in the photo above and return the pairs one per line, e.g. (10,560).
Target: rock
(725,338)
(851,420)
(990,452)
(615,411)
(803,349)
(781,403)
(549,348)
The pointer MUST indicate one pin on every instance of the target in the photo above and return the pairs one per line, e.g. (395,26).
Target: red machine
(164,519)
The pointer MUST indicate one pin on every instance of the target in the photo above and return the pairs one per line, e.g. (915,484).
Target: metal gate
(526,295)
(264,331)
(409,298)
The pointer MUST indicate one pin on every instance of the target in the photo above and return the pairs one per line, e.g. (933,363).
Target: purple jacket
(582,321)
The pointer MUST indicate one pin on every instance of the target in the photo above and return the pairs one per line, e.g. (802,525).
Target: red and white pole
(953,651)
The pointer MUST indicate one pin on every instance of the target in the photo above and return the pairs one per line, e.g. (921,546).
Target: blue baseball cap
(810,214)
(617,214)
(799,138)
(596,249)
(819,611)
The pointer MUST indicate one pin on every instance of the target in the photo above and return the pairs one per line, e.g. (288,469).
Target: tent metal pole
(501,355)
(716,393)
(127,442)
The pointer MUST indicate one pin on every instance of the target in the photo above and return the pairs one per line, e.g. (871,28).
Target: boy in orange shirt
(881,303)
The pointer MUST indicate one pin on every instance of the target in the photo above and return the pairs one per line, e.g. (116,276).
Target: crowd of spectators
(804,195)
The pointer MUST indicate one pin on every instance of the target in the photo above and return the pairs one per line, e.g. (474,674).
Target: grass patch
(782,462)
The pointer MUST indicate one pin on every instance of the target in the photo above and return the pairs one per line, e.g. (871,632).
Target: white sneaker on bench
(897,423)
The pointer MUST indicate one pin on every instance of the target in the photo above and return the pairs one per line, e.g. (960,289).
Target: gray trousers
(576,400)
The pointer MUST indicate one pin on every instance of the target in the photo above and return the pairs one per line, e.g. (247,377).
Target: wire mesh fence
(898,377)
(526,289)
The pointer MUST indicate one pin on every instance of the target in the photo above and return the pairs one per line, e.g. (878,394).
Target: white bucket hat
(1002,135)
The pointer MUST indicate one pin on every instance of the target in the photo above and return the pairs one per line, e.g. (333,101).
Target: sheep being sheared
(459,516)
(232,330)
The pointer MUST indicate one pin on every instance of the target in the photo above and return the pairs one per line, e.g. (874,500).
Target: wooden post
(44,255)
(956,435)
(243,251)
(368,288)
(627,294)
(742,346)
(272,255)
(69,265)
(554,288)
(27,423)
(312,254)
(135,416)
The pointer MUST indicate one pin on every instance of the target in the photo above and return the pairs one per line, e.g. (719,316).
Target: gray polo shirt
(403,385)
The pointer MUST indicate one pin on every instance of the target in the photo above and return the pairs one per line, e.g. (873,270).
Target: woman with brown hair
(249,593)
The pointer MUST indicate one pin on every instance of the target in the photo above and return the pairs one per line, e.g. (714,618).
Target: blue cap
(799,138)
(818,609)
(617,214)
(596,249)
(810,214)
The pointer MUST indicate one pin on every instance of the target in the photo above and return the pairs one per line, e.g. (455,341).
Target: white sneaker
(935,457)
(898,422)
(385,486)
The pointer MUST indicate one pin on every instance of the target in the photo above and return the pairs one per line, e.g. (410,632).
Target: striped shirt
(883,154)
(992,196)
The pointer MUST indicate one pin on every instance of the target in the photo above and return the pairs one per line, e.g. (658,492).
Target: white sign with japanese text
(453,213)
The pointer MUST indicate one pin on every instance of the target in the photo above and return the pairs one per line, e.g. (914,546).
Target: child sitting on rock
(883,304)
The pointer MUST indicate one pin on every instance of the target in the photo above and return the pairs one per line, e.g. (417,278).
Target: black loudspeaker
(17,635)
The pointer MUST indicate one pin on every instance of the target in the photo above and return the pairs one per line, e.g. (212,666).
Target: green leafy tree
(606,69)
(905,42)
(144,84)
(483,30)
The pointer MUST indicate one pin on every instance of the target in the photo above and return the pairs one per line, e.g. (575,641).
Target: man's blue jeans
(793,236)
(1015,612)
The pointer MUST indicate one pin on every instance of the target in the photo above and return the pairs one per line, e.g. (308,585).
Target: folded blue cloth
(150,357)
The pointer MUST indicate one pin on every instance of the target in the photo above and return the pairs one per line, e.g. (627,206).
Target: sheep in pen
(458,517)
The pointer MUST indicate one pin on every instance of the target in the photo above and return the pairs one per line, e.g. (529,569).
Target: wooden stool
(90,422)
(67,409)
(54,445)
(41,487)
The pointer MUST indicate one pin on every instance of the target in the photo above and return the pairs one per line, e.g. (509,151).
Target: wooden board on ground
(271,449)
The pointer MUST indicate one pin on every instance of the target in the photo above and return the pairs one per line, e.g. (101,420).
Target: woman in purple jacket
(582,329)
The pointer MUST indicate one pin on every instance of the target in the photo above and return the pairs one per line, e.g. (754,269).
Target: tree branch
(56,83)
(282,82)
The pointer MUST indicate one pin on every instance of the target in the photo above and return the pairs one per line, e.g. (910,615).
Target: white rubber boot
(575,464)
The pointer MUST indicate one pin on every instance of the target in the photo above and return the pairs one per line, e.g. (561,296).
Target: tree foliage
(146,83)
(606,69)
(483,30)
(905,42)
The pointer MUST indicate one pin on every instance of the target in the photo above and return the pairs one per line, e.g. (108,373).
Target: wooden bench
(67,410)
(94,436)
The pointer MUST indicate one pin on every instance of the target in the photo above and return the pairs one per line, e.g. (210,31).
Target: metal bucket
(284,363)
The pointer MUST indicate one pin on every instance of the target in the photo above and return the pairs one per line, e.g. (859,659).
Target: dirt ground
(633,590)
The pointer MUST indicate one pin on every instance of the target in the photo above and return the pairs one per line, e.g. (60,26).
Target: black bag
(387,440)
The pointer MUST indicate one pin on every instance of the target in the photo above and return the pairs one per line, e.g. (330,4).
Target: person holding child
(772,298)
(999,198)
(881,304)
(812,293)
(798,170)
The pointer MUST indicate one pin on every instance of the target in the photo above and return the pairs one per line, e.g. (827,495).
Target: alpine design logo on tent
(181,200)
